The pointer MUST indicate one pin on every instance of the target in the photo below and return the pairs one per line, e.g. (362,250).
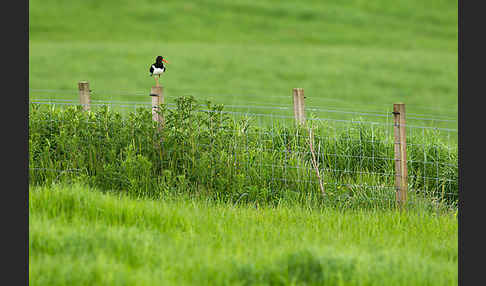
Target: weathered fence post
(84,95)
(157,99)
(401,180)
(298,95)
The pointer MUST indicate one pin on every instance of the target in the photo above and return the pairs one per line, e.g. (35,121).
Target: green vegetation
(215,199)
(213,154)
(79,236)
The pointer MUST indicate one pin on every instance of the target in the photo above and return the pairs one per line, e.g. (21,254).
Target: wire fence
(354,150)
(73,94)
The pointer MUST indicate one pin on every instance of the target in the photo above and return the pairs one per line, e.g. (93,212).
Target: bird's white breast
(158,70)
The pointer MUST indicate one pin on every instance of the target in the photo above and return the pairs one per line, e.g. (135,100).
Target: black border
(471,77)
(15,209)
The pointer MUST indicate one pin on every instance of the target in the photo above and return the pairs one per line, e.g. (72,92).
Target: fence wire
(112,94)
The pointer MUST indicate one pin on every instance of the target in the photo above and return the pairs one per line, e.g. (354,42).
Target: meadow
(207,206)
(80,236)
(110,203)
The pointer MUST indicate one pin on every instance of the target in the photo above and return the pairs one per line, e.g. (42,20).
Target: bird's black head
(159,60)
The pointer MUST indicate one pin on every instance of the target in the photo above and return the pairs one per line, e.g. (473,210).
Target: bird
(158,68)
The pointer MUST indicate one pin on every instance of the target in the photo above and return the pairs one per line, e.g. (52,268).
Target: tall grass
(208,153)
(80,236)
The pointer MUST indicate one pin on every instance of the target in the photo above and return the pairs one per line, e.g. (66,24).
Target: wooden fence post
(401,180)
(299,114)
(157,99)
(84,95)
(301,104)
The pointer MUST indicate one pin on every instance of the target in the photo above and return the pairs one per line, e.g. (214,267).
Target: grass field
(353,55)
(347,55)
(79,236)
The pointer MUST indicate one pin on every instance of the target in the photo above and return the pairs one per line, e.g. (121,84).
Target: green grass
(347,55)
(79,236)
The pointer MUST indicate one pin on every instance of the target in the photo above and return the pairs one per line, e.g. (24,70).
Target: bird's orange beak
(165,61)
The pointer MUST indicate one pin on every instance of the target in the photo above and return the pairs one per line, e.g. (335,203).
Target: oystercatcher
(158,68)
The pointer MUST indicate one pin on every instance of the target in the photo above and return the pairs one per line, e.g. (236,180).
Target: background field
(347,55)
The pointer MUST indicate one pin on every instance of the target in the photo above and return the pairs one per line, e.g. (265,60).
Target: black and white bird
(158,68)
